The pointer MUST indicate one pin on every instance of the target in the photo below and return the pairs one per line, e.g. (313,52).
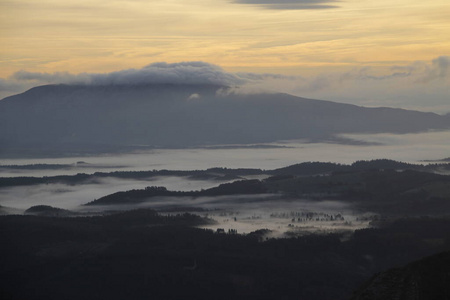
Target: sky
(373,53)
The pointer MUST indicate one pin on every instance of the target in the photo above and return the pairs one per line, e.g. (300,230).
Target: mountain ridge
(105,118)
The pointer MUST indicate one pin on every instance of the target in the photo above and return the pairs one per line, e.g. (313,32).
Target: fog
(289,217)
(412,148)
(72,196)
(244,214)
(251,212)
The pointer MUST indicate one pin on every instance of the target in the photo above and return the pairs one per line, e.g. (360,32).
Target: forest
(139,253)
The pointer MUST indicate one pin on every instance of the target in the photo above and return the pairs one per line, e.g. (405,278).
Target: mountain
(81,118)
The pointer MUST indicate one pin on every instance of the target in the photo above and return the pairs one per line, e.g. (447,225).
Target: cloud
(291,4)
(12,86)
(175,73)
(264,76)
(156,73)
(194,96)
(193,73)
(438,70)
(50,78)
(9,85)
(442,64)
(421,85)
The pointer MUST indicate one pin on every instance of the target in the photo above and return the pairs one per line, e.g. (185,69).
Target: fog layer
(72,196)
(412,148)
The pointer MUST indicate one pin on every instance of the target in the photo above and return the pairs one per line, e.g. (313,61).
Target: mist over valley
(332,221)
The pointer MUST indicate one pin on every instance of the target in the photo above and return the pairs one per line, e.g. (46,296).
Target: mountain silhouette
(87,118)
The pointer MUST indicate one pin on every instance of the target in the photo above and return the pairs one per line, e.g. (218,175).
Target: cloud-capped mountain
(95,118)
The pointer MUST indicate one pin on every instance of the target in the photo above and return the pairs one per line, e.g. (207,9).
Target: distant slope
(58,118)
(388,192)
(385,191)
(239,187)
(49,211)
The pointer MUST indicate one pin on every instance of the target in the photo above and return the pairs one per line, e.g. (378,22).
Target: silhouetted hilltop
(382,186)
(385,191)
(240,187)
(316,168)
(48,211)
(72,119)
(310,168)
(219,174)
(224,174)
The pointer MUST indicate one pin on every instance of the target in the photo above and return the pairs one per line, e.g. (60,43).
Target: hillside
(388,192)
(425,279)
(141,254)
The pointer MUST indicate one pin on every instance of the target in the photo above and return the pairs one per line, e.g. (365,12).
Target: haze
(383,53)
(224,149)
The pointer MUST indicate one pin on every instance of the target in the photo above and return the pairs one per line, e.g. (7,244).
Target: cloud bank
(291,4)
(156,73)
(421,85)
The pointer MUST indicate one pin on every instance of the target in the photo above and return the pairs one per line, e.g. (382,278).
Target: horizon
(224,149)
(388,53)
(202,73)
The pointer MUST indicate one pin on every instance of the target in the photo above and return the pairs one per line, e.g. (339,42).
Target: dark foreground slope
(426,279)
(142,255)
(61,118)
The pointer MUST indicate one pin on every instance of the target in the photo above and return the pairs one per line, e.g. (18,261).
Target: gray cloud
(50,78)
(156,73)
(439,69)
(11,86)
(420,85)
(417,72)
(254,76)
(443,65)
(291,4)
(176,73)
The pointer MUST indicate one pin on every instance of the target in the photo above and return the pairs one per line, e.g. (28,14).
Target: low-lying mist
(288,217)
(248,213)
(237,213)
(411,148)
(251,213)
(72,196)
